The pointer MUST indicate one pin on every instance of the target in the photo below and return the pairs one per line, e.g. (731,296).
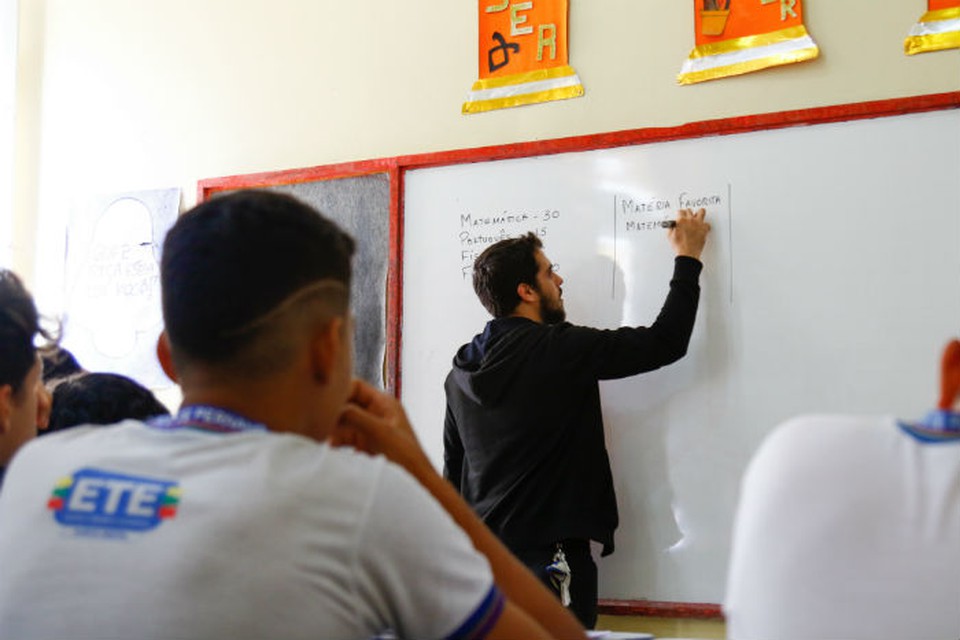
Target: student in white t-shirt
(849,527)
(284,500)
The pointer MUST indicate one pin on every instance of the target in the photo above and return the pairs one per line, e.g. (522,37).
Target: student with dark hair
(58,363)
(24,402)
(100,399)
(249,514)
(523,435)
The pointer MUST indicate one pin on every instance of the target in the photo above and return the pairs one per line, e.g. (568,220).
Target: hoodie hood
(488,365)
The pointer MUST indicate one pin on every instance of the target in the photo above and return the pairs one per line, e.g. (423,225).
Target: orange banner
(522,55)
(937,5)
(937,29)
(739,36)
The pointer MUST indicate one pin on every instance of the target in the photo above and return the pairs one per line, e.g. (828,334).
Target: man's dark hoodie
(523,434)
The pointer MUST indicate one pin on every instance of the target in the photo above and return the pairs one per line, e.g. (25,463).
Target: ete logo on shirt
(113,502)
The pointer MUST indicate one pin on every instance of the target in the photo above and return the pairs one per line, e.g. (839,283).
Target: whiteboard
(831,282)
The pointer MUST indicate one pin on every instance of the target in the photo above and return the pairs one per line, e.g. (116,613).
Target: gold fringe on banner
(936,30)
(751,53)
(544,85)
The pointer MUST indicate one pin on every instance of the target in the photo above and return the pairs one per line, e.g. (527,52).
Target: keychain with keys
(559,572)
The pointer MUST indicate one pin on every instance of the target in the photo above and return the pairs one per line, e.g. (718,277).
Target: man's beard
(550,314)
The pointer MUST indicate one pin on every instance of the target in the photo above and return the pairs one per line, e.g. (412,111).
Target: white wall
(8,84)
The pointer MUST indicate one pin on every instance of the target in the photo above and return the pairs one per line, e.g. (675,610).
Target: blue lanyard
(940,425)
(206,418)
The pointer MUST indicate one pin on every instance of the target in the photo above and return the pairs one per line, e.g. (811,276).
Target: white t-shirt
(135,532)
(848,527)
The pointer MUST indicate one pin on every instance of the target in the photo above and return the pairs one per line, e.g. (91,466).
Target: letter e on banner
(522,55)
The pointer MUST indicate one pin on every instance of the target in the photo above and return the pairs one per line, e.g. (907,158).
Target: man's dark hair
(501,268)
(231,261)
(101,398)
(19,326)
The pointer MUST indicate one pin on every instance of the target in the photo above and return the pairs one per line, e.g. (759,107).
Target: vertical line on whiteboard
(613,275)
(730,235)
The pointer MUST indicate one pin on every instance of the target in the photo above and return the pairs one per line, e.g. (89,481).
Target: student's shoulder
(51,454)
(65,439)
(817,440)
(294,452)
(819,429)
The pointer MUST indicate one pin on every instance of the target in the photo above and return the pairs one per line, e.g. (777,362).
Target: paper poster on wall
(937,29)
(113,316)
(523,55)
(734,37)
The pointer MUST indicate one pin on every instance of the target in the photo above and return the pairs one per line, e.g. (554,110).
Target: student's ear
(165,356)
(326,345)
(6,407)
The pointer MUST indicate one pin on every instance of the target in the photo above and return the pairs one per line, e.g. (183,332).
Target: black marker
(668,224)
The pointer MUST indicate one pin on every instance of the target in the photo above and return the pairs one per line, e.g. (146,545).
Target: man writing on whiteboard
(523,433)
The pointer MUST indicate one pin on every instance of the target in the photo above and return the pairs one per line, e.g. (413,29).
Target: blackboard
(360,203)
(832,280)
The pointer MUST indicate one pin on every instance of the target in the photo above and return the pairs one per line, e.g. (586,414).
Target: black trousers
(583,575)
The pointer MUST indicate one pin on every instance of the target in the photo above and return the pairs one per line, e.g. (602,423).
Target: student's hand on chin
(375,423)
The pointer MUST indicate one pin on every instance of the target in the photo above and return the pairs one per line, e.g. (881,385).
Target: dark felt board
(361,206)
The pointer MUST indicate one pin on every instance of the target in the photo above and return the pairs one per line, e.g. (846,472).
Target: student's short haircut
(501,268)
(231,261)
(100,398)
(19,326)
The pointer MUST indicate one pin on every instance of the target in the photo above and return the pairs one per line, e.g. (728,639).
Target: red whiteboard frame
(396,167)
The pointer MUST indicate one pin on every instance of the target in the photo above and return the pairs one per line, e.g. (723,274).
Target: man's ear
(526,292)
(325,347)
(6,407)
(165,356)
